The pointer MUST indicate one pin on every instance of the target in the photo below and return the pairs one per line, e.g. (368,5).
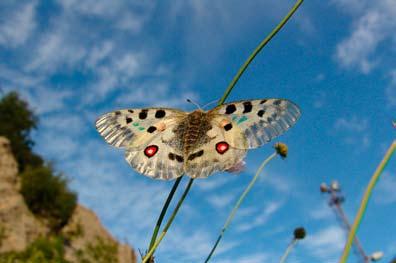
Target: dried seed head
(281,149)
(324,188)
(299,233)
(376,256)
(335,186)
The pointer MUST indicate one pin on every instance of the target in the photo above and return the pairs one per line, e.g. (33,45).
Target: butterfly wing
(223,151)
(135,127)
(148,138)
(157,159)
(259,120)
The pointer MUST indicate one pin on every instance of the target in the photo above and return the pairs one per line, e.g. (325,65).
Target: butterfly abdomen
(193,131)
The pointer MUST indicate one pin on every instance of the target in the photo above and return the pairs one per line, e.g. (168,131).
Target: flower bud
(281,149)
(299,233)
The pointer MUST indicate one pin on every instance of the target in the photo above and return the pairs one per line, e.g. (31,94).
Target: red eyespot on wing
(222,147)
(151,150)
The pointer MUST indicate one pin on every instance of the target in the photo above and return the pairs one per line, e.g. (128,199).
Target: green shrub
(17,120)
(101,251)
(42,250)
(3,234)
(47,195)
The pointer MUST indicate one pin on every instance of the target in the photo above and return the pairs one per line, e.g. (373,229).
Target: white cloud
(261,217)
(253,258)
(351,6)
(385,192)
(215,182)
(327,244)
(195,245)
(17,24)
(219,201)
(44,100)
(371,28)
(16,79)
(279,183)
(353,131)
(390,91)
(55,50)
(320,99)
(353,124)
(321,212)
(125,15)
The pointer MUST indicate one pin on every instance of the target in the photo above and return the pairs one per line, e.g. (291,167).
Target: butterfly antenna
(207,104)
(194,103)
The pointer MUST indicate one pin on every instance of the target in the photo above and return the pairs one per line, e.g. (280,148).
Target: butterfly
(165,143)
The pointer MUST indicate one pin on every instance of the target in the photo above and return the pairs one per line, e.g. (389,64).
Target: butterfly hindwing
(136,127)
(157,159)
(260,120)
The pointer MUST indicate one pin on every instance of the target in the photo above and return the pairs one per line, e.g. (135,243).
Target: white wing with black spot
(260,120)
(147,134)
(135,127)
(157,159)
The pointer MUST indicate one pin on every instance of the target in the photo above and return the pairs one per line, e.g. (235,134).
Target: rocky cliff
(19,227)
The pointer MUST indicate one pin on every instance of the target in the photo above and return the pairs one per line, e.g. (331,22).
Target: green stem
(258,49)
(288,250)
(163,211)
(239,202)
(168,224)
(363,205)
(221,101)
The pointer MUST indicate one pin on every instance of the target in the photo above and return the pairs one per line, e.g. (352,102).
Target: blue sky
(74,61)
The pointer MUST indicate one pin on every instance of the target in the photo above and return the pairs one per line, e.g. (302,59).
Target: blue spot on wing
(242,119)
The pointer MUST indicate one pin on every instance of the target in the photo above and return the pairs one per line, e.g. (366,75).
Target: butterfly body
(166,143)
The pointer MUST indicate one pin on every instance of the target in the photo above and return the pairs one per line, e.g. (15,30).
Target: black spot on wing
(143,114)
(179,158)
(260,113)
(160,114)
(263,101)
(128,120)
(195,155)
(228,127)
(117,112)
(171,156)
(277,102)
(247,107)
(131,111)
(230,109)
(151,129)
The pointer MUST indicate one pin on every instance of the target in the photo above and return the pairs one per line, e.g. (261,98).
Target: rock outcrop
(19,227)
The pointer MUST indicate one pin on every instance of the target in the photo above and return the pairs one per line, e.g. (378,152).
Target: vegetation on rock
(17,120)
(42,250)
(47,195)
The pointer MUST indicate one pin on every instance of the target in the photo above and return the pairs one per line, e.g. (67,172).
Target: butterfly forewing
(260,120)
(147,134)
(136,127)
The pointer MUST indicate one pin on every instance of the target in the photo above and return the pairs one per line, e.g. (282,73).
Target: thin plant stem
(288,250)
(258,49)
(168,224)
(239,202)
(363,205)
(220,102)
(163,211)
